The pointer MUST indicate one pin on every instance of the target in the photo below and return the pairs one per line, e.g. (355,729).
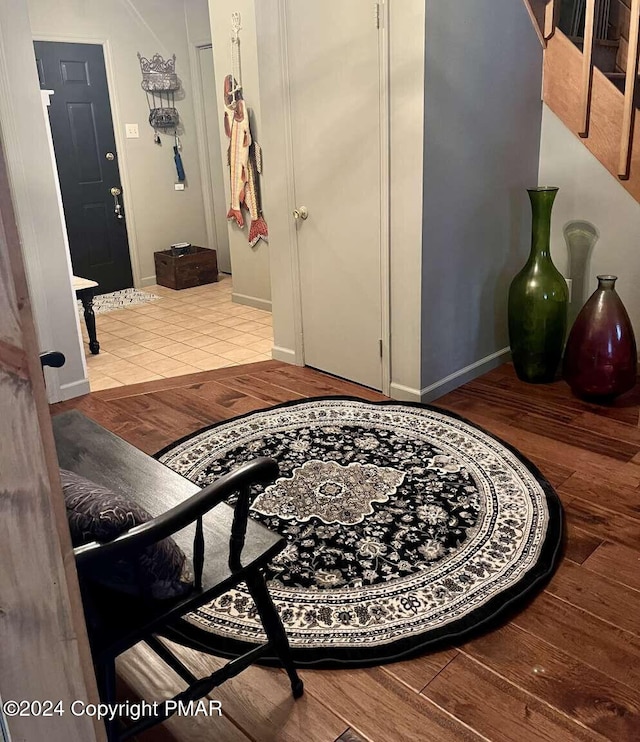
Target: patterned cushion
(95,513)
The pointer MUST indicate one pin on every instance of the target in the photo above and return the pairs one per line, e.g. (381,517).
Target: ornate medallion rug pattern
(407,527)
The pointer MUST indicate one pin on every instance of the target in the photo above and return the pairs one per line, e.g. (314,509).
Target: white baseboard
(456,379)
(147,281)
(251,301)
(404,393)
(284,354)
(74,389)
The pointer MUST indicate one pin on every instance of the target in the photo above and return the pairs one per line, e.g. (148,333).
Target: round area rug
(408,527)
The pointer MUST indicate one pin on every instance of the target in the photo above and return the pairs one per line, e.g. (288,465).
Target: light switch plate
(179,186)
(131,131)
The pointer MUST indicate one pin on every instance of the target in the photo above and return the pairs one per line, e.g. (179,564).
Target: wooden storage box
(197,266)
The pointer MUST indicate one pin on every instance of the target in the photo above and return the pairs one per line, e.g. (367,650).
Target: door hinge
(380,346)
(376,14)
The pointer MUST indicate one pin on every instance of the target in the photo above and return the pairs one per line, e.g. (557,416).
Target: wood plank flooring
(565,668)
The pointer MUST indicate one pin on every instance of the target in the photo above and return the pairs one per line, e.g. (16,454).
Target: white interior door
(213,164)
(334,78)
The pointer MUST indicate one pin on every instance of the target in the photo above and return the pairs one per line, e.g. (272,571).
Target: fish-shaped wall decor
(244,158)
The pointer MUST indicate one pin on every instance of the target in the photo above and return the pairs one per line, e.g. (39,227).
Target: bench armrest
(259,471)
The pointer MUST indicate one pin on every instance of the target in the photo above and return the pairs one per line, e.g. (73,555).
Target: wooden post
(629,91)
(537,12)
(587,67)
(45,652)
(550,11)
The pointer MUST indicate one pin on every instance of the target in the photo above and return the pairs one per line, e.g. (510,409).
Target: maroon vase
(600,360)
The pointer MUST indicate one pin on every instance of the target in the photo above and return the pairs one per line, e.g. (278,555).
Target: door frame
(118,130)
(385,205)
(209,194)
(61,625)
(53,379)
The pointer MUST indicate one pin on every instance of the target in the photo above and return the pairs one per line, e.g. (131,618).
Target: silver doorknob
(117,207)
(301,213)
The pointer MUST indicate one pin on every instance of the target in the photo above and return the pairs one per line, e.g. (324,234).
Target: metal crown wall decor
(158,73)
(160,83)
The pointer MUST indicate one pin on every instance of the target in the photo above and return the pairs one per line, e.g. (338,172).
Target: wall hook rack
(160,83)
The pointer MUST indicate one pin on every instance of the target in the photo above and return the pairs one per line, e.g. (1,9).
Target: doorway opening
(181,332)
(87,161)
(177,332)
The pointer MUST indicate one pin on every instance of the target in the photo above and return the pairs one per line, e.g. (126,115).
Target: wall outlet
(131,131)
(569,286)
(179,186)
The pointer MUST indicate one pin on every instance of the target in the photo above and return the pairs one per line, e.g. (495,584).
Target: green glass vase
(538,301)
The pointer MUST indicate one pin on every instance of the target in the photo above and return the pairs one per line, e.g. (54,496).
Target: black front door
(85,148)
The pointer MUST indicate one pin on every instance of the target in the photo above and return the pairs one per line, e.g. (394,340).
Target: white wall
(157,215)
(34,192)
(250,266)
(483,70)
(212,165)
(589,192)
(197,19)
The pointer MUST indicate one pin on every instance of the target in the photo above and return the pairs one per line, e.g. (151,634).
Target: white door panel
(335,108)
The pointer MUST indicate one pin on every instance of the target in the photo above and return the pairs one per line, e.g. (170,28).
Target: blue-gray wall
(483,70)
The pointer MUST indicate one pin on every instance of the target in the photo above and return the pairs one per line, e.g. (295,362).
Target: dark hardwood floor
(565,668)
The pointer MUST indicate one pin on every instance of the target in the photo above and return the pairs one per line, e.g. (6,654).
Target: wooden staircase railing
(543,16)
(587,65)
(584,98)
(629,91)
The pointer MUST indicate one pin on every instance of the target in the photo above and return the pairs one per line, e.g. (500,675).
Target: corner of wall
(481,151)
(406,174)
(464,375)
(250,266)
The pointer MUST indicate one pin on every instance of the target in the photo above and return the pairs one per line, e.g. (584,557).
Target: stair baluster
(587,66)
(629,92)
(550,17)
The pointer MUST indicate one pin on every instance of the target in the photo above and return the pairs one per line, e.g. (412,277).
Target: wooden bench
(228,548)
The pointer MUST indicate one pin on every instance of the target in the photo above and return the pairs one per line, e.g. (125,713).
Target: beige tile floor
(183,332)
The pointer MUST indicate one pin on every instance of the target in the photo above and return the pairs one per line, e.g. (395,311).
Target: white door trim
(210,193)
(118,130)
(385,242)
(290,186)
(56,391)
(385,195)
